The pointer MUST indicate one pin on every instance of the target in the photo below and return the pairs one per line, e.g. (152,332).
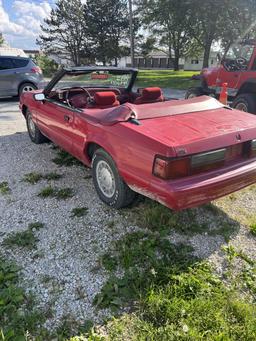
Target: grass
(18,317)
(65,159)
(252,225)
(4,188)
(24,239)
(175,296)
(34,177)
(79,211)
(160,219)
(52,192)
(166,79)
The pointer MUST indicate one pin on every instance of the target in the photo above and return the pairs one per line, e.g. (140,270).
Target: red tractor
(238,69)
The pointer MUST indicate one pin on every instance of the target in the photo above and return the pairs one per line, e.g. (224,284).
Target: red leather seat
(105,99)
(150,95)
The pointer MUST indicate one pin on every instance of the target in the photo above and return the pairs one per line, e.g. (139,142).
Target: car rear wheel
(34,133)
(193,92)
(110,187)
(26,87)
(245,102)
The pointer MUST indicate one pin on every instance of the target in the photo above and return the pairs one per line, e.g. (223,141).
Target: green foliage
(18,317)
(62,193)
(65,159)
(48,66)
(178,297)
(4,187)
(34,177)
(26,238)
(79,211)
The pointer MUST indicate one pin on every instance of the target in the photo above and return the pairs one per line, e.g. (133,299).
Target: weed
(52,176)
(4,187)
(65,159)
(157,217)
(62,193)
(47,192)
(108,262)
(25,238)
(111,224)
(17,313)
(32,178)
(252,225)
(79,211)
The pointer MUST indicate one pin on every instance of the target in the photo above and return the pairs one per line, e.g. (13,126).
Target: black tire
(245,102)
(28,86)
(35,134)
(194,92)
(122,194)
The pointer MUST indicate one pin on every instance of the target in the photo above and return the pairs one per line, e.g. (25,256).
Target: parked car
(18,75)
(181,153)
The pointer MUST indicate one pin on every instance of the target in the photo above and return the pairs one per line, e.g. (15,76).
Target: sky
(20,21)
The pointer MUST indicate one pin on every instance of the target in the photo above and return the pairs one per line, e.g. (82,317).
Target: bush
(48,65)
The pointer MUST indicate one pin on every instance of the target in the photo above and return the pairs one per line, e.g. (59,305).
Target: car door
(229,77)
(7,77)
(55,120)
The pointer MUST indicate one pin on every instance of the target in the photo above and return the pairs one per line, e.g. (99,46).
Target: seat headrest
(151,94)
(105,98)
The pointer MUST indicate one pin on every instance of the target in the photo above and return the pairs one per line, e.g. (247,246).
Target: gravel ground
(63,271)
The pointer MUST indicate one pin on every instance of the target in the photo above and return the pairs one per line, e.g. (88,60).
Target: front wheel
(110,187)
(245,102)
(34,133)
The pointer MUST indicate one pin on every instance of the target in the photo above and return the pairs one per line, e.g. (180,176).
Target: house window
(212,61)
(194,61)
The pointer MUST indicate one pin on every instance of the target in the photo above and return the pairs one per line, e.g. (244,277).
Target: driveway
(11,120)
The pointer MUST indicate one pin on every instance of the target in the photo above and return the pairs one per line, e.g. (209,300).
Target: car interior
(103,98)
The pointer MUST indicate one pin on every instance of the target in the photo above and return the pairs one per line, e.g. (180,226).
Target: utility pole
(131,32)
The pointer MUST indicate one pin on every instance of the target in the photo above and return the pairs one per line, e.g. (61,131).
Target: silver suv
(18,74)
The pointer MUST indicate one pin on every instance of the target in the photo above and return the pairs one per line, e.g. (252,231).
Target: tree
(169,20)
(223,20)
(1,39)
(65,31)
(108,27)
(48,65)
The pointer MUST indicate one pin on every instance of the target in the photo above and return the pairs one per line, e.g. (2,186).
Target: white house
(6,50)
(196,63)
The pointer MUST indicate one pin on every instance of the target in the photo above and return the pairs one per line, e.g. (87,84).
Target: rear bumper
(200,189)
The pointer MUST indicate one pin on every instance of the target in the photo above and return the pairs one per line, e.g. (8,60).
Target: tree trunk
(176,60)
(207,51)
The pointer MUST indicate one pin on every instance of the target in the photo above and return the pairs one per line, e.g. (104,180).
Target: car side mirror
(39,97)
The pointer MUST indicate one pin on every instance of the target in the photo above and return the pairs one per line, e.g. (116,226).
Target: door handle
(67,118)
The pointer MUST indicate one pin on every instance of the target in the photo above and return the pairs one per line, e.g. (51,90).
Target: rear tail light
(253,148)
(36,69)
(171,169)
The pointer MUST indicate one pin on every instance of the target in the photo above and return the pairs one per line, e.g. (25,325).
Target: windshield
(240,51)
(94,79)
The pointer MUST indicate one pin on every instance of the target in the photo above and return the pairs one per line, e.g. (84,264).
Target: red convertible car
(181,153)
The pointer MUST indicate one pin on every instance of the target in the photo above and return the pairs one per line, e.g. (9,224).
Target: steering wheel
(241,62)
(88,95)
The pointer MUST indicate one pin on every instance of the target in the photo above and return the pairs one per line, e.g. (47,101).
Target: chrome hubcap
(31,126)
(105,179)
(27,88)
(242,107)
